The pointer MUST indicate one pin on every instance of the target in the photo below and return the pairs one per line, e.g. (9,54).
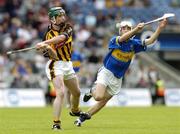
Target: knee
(60,94)
(98,97)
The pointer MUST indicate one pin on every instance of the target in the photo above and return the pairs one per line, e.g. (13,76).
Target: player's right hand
(40,46)
(140,26)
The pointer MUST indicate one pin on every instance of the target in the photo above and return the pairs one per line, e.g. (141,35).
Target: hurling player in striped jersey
(57,46)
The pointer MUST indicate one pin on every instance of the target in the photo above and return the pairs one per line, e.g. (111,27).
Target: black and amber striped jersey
(63,49)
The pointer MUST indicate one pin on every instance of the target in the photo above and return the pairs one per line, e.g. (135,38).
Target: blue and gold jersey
(76,60)
(120,55)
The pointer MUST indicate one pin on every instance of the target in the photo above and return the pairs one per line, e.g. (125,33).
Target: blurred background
(23,23)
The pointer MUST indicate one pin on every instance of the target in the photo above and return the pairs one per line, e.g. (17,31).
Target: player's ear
(53,20)
(120,31)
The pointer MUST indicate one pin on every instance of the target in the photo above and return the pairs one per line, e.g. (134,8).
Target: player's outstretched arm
(155,35)
(55,40)
(131,33)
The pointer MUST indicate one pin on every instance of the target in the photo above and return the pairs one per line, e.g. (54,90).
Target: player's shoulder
(48,29)
(68,25)
(67,30)
(135,40)
(114,38)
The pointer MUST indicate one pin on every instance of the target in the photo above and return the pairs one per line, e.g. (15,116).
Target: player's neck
(55,27)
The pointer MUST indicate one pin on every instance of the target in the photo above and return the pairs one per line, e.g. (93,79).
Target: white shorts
(64,68)
(107,78)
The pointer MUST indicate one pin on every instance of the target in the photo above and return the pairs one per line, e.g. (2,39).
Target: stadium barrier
(172,97)
(22,98)
(137,97)
(126,97)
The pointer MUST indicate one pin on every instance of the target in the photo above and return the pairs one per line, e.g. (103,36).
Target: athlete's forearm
(128,35)
(56,40)
(153,37)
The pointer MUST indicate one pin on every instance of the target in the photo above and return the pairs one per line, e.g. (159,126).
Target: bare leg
(67,98)
(100,92)
(98,106)
(101,95)
(58,83)
(72,85)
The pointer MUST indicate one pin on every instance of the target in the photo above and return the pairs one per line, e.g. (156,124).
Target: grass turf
(112,120)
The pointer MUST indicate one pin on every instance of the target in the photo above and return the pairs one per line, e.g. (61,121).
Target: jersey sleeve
(68,31)
(113,43)
(139,46)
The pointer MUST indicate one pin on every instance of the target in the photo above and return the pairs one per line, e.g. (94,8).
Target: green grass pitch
(111,120)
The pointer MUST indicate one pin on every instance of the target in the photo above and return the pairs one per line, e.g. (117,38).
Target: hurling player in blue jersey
(122,48)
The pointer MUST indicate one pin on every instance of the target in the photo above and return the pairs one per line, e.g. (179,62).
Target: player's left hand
(163,23)
(52,53)
(47,51)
